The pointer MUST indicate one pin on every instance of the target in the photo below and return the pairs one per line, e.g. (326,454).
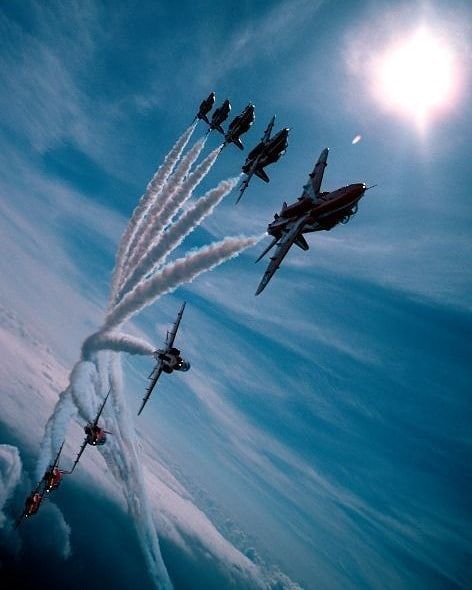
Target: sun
(416,77)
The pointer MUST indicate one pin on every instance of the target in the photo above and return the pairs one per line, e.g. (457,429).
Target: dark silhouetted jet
(219,116)
(168,359)
(240,125)
(205,108)
(266,152)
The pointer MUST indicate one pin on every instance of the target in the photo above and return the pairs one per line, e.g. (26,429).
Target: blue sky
(324,429)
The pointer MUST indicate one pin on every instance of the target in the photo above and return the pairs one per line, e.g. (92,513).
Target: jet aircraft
(205,108)
(50,481)
(94,434)
(313,211)
(52,477)
(32,504)
(240,125)
(266,152)
(168,359)
(220,115)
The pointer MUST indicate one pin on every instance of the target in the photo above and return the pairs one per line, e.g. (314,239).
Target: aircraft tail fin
(260,172)
(238,143)
(301,243)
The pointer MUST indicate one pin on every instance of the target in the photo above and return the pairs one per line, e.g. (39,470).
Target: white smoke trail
(165,243)
(117,341)
(10,474)
(55,431)
(153,189)
(138,502)
(181,271)
(91,376)
(56,537)
(89,382)
(152,223)
(85,385)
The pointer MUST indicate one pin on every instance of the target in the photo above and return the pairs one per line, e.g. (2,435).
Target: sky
(322,436)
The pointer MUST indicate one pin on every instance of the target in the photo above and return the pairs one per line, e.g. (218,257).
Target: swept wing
(154,378)
(56,460)
(290,235)
(79,454)
(173,332)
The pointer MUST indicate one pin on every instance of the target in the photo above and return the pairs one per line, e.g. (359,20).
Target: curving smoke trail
(133,477)
(165,243)
(55,430)
(177,273)
(89,382)
(152,224)
(10,475)
(117,341)
(96,371)
(153,190)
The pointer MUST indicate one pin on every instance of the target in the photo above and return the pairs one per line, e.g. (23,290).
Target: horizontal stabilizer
(220,129)
(238,143)
(302,243)
(261,174)
(271,245)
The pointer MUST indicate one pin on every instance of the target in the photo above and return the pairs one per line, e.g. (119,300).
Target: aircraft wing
(313,186)
(283,246)
(56,460)
(172,334)
(101,408)
(79,454)
(149,389)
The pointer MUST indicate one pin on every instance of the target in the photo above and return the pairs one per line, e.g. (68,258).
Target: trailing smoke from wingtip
(152,223)
(177,273)
(153,190)
(137,499)
(92,375)
(165,243)
(10,475)
(116,341)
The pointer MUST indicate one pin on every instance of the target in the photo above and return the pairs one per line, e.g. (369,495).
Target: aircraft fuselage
(95,435)
(172,360)
(329,209)
(266,153)
(32,504)
(52,479)
(220,115)
(240,124)
(205,107)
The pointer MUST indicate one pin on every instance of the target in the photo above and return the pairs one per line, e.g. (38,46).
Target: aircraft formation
(51,480)
(313,211)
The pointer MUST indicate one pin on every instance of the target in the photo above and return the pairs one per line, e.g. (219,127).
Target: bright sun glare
(416,76)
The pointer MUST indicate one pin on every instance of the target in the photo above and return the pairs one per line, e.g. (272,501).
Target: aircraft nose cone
(360,188)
